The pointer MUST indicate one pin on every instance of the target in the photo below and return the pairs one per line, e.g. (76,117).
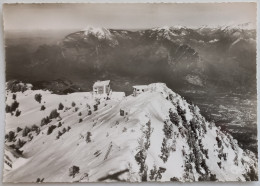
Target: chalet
(101,88)
(138,89)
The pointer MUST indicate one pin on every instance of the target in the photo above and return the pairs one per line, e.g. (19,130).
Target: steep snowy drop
(155,136)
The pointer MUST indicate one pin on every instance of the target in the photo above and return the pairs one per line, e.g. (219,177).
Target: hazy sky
(128,16)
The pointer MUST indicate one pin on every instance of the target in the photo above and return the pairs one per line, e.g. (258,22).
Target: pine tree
(8,109)
(38,97)
(174,118)
(60,106)
(26,130)
(14,106)
(18,129)
(17,113)
(14,96)
(164,150)
(73,171)
(54,114)
(42,107)
(11,136)
(45,121)
(50,129)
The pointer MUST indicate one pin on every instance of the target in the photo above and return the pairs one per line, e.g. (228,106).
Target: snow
(100,33)
(115,139)
(213,40)
(140,86)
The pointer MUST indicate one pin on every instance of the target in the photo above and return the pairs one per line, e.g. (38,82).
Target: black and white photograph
(130,92)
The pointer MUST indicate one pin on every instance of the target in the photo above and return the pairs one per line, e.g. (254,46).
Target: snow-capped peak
(99,32)
(168,28)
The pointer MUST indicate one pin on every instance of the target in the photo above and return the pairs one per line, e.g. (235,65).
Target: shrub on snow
(54,114)
(38,98)
(73,171)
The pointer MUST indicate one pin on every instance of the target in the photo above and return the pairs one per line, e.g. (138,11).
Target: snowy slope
(156,136)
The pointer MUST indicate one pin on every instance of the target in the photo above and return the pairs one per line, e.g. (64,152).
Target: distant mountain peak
(169,28)
(99,32)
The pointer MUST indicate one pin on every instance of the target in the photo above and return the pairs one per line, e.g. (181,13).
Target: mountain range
(202,58)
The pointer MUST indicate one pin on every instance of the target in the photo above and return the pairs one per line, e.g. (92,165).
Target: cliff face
(155,136)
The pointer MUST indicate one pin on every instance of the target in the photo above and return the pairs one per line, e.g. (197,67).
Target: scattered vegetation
(59,135)
(18,129)
(60,106)
(45,121)
(14,96)
(73,104)
(43,107)
(64,130)
(88,137)
(73,171)
(173,179)
(164,150)
(17,113)
(14,106)
(36,129)
(156,174)
(26,131)
(10,136)
(38,98)
(97,153)
(54,114)
(50,129)
(7,109)
(39,180)
(168,130)
(251,175)
(144,144)
(16,86)
(95,107)
(20,143)
(124,129)
(182,113)
(174,118)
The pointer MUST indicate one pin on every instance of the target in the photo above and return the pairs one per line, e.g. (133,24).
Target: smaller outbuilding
(138,89)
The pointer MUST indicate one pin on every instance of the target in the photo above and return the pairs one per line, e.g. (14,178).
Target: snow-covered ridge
(154,136)
(100,33)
